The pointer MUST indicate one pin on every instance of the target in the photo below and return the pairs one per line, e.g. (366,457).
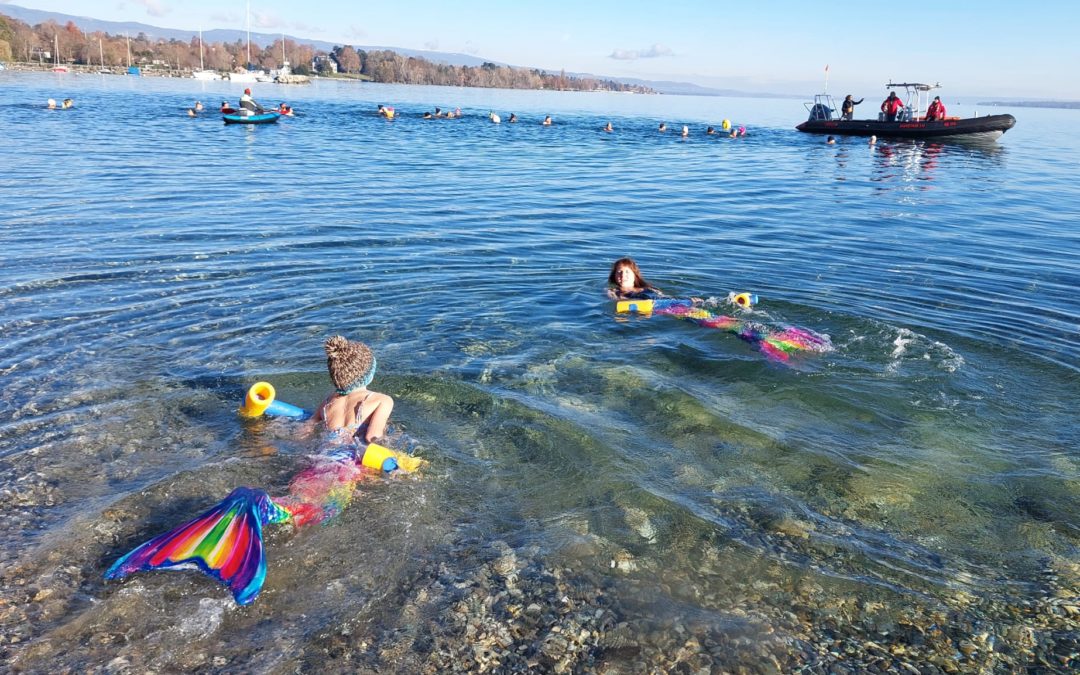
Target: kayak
(264,118)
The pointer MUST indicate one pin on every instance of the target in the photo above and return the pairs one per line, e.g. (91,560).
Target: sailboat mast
(200,50)
(101,53)
(56,48)
(128,38)
(249,35)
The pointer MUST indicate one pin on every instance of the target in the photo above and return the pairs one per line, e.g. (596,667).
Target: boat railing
(822,108)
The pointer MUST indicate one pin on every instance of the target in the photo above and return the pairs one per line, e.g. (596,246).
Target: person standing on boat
(891,106)
(847,108)
(936,111)
(248,106)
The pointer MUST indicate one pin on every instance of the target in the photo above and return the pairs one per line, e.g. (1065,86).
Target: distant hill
(1068,105)
(90,25)
(690,89)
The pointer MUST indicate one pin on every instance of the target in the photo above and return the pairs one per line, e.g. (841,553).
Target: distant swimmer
(547,121)
(285,110)
(685,131)
(830,140)
(198,106)
(742,131)
(438,112)
(663,128)
(68,103)
(873,140)
(226,108)
(191,112)
(495,119)
(428,115)
(513,118)
(51,104)
(710,131)
(451,115)
(608,127)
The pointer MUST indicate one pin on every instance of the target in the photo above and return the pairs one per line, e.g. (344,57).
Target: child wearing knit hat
(352,407)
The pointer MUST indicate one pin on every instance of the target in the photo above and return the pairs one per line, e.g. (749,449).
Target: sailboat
(248,75)
(58,68)
(132,70)
(202,73)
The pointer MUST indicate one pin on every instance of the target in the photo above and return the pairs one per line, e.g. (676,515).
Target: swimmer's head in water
(618,277)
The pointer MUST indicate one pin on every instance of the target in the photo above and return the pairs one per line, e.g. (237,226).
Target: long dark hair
(639,281)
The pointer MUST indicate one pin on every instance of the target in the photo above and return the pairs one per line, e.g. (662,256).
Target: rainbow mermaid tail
(225,542)
(777,344)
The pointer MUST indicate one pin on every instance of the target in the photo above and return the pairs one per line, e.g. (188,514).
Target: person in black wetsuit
(847,108)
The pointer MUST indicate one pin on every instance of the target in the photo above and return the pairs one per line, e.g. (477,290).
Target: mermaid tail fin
(225,543)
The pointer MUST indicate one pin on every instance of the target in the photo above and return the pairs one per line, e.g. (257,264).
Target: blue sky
(988,47)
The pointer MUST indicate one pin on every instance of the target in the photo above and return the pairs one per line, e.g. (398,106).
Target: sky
(984,48)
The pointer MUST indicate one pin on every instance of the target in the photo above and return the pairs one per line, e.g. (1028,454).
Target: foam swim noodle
(262,399)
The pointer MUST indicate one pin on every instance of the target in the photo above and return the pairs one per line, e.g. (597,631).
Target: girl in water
(628,282)
(352,408)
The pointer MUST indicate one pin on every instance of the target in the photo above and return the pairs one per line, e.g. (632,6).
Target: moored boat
(262,118)
(911,122)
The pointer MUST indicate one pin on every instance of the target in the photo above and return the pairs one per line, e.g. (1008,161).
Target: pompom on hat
(351,364)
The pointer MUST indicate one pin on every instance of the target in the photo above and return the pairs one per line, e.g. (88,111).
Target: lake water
(612,493)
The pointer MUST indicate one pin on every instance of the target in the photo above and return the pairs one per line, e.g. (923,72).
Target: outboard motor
(820,111)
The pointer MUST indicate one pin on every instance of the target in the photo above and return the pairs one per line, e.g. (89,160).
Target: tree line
(393,68)
(20,41)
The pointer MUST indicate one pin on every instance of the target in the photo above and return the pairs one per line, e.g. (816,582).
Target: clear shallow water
(917,486)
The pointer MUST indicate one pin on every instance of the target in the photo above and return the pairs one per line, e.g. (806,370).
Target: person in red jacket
(891,106)
(936,111)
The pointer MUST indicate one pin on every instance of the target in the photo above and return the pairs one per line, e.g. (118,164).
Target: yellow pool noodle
(375,455)
(639,306)
(258,399)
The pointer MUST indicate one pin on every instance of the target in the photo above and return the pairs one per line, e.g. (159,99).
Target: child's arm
(377,408)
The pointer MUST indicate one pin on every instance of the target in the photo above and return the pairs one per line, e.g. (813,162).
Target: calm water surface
(666,489)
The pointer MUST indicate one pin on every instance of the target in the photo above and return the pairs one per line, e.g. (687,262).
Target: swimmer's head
(351,364)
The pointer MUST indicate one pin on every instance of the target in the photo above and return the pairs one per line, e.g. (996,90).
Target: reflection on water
(635,493)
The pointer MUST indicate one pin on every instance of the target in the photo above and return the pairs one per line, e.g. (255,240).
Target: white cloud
(154,7)
(266,20)
(656,51)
